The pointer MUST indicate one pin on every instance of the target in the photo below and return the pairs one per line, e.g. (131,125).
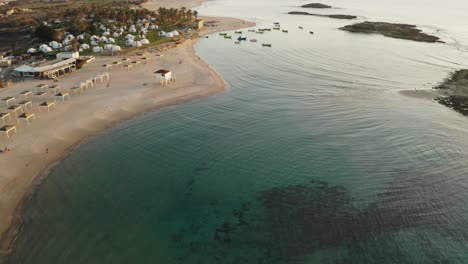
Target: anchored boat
(266,45)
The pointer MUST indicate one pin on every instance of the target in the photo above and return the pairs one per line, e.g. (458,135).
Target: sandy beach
(37,147)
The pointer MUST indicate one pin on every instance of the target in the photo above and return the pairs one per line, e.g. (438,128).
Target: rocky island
(330,16)
(455,90)
(316,5)
(392,30)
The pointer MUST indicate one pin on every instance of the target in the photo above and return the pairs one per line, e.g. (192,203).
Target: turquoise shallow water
(311,157)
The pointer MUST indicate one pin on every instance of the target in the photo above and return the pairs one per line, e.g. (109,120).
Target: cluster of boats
(240,38)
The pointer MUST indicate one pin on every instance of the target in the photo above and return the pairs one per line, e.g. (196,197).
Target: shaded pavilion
(26,117)
(7,129)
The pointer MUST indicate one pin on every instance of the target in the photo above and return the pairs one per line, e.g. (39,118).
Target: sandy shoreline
(45,142)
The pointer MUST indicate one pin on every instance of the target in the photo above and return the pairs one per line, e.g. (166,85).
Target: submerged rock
(315,5)
(392,30)
(330,16)
(456,88)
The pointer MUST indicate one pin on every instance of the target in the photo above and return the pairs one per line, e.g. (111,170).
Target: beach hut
(4,116)
(145,41)
(31,50)
(26,117)
(7,129)
(97,49)
(164,76)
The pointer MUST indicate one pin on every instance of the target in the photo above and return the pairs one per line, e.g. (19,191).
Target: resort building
(49,69)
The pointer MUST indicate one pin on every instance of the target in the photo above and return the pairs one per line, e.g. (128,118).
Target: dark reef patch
(456,89)
(296,221)
(319,15)
(392,30)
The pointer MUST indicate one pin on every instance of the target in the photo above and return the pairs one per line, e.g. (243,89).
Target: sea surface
(311,156)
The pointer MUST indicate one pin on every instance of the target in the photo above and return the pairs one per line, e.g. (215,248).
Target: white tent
(129,36)
(161,33)
(94,37)
(116,48)
(116,35)
(55,44)
(169,35)
(103,39)
(136,44)
(84,46)
(175,33)
(145,42)
(154,27)
(94,43)
(45,48)
(129,42)
(32,50)
(110,40)
(97,49)
(108,47)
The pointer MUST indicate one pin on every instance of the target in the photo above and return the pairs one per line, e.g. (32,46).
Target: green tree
(45,32)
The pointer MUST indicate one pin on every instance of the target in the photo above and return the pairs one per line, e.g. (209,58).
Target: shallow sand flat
(126,95)
(427,94)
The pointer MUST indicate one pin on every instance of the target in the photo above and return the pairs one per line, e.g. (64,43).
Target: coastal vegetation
(392,30)
(315,5)
(455,88)
(319,15)
(39,22)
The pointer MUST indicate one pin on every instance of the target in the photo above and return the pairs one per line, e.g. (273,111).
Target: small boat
(301,28)
(285,31)
(276,28)
(222,34)
(253,40)
(267,29)
(227,37)
(251,30)
(238,32)
(276,23)
(237,42)
(311,32)
(266,45)
(260,32)
(241,38)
